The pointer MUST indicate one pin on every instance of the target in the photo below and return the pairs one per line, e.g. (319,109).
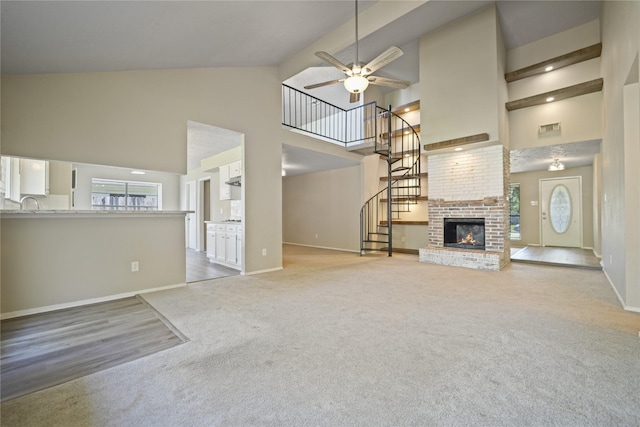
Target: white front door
(561,212)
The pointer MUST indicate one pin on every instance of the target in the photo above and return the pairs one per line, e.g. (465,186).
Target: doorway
(561,212)
(191,224)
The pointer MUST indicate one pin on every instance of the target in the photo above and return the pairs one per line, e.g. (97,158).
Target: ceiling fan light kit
(358,76)
(356,84)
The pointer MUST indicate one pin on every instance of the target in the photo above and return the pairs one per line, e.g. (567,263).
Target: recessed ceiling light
(549,99)
(136,172)
(457,149)
(549,68)
(406,110)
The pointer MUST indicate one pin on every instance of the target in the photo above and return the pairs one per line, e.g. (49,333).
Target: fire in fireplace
(464,233)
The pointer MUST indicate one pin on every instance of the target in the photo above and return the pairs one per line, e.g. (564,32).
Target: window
(125,195)
(514,214)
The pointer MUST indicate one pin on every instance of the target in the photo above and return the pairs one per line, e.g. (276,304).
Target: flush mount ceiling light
(358,76)
(556,165)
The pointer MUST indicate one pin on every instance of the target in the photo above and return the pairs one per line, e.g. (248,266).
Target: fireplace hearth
(464,233)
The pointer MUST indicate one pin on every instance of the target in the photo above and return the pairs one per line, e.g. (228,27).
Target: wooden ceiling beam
(570,58)
(557,95)
(450,143)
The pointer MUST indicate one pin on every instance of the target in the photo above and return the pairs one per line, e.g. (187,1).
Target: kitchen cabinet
(235,169)
(221,242)
(34,177)
(232,244)
(225,189)
(228,244)
(211,241)
(239,246)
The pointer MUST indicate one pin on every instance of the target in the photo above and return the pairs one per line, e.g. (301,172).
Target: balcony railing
(307,113)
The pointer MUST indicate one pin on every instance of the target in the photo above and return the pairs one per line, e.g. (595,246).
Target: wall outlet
(135,266)
(610,259)
(264,252)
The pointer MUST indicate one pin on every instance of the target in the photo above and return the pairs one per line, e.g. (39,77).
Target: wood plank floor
(47,349)
(555,256)
(199,268)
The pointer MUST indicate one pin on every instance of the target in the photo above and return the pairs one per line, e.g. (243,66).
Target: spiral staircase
(366,129)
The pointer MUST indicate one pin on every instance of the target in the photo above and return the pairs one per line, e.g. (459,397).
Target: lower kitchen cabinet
(211,241)
(239,246)
(232,239)
(228,245)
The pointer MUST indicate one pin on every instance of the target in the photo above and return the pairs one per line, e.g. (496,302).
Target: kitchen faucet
(25,198)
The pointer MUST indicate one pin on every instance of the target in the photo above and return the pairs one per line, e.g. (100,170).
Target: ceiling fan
(358,75)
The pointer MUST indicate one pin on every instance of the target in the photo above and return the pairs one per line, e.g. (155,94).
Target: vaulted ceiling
(83,36)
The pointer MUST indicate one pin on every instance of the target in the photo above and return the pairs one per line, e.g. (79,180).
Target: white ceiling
(299,161)
(83,36)
(205,141)
(572,155)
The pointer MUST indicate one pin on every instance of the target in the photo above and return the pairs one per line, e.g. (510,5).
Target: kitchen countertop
(71,213)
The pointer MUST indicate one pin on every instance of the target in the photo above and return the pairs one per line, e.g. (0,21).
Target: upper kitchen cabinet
(34,177)
(235,169)
(225,190)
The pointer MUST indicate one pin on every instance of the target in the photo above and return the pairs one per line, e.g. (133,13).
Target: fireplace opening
(464,233)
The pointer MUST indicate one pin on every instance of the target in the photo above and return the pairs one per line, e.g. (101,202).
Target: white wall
(558,44)
(323,204)
(620,48)
(580,120)
(458,79)
(139,119)
(580,117)
(50,263)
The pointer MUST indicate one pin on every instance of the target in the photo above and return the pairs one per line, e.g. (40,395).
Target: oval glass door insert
(560,209)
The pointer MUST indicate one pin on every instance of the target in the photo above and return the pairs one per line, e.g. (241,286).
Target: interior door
(561,212)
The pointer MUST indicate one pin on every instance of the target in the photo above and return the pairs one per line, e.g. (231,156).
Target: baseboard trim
(268,270)
(46,308)
(321,247)
(620,300)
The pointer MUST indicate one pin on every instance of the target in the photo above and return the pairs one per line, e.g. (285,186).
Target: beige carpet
(336,339)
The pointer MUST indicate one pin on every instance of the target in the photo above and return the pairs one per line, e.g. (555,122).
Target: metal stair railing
(399,143)
(392,137)
(304,112)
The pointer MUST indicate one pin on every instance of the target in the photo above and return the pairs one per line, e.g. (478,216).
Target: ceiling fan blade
(330,82)
(381,60)
(333,61)
(385,81)
(354,97)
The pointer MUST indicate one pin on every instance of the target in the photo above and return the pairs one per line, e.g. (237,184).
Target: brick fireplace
(466,189)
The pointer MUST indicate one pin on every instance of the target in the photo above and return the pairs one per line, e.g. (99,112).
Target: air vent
(551,127)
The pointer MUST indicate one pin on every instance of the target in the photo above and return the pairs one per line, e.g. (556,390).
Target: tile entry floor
(563,257)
